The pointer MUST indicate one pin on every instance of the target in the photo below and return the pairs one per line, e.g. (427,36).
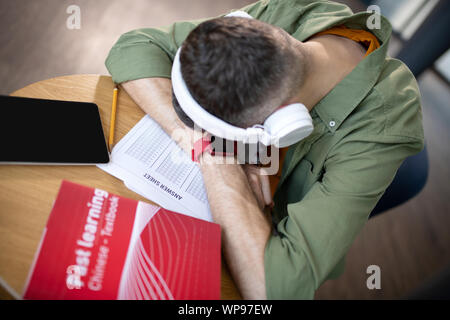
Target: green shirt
(363,130)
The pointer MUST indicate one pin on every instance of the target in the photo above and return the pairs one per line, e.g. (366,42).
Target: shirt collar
(335,107)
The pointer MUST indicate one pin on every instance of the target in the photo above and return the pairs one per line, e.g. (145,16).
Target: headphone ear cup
(289,125)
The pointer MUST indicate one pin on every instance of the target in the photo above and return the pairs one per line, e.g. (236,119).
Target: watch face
(257,153)
(222,147)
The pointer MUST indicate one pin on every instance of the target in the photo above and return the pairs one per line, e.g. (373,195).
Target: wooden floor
(410,243)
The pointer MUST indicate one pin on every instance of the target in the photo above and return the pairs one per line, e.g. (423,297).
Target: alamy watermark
(374,20)
(227,151)
(74,19)
(374,280)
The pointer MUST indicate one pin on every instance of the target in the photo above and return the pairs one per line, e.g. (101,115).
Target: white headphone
(283,128)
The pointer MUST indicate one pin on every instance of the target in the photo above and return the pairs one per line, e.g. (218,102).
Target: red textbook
(97,245)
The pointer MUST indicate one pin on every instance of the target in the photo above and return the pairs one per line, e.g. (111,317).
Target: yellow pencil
(113,119)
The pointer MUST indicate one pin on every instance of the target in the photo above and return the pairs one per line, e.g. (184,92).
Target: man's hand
(259,184)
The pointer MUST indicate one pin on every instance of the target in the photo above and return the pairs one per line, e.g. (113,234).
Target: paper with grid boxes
(151,164)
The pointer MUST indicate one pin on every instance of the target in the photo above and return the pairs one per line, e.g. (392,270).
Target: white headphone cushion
(289,124)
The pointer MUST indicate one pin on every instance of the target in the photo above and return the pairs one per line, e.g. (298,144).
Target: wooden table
(27,192)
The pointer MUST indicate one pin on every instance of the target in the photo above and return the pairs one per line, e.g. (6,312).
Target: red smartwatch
(205,145)
(200,146)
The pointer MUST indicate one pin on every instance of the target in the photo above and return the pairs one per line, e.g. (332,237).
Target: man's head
(240,69)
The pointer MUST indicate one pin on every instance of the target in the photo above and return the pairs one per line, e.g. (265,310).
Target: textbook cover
(97,245)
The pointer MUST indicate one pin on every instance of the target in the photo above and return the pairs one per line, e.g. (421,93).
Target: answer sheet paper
(151,164)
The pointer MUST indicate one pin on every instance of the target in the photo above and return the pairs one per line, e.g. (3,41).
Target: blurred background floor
(410,243)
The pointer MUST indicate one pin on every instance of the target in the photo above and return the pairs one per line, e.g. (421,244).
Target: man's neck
(329,60)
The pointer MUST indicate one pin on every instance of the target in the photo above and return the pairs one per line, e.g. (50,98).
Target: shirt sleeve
(146,53)
(149,52)
(318,231)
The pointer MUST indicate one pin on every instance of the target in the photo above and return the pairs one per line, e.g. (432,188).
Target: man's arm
(245,229)
(154,96)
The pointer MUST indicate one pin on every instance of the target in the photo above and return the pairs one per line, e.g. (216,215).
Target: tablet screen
(50,131)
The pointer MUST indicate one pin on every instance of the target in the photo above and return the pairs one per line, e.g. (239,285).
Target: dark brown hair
(232,66)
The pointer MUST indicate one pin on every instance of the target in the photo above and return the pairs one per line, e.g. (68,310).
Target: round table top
(27,192)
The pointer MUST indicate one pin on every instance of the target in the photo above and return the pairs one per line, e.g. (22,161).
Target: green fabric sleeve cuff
(145,60)
(287,273)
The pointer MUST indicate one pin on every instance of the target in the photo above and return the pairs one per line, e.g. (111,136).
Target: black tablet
(39,131)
